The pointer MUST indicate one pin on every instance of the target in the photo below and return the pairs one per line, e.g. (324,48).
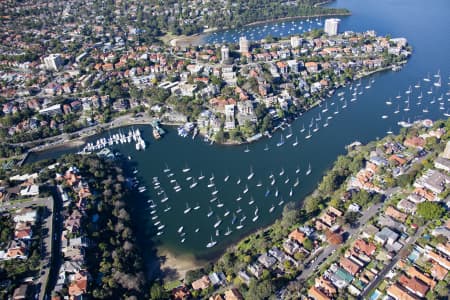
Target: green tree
(157,292)
(430,210)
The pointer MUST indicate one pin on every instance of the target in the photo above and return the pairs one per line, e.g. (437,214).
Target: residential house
(438,272)
(217,278)
(317,294)
(441,260)
(266,260)
(17,249)
(414,142)
(349,266)
(397,215)
(407,206)
(290,246)
(297,235)
(413,272)
(386,236)
(325,285)
(433,180)
(414,285)
(22,292)
(442,163)
(181,293)
(201,283)
(78,286)
(398,293)
(244,277)
(441,230)
(216,297)
(255,269)
(26,215)
(233,294)
(444,248)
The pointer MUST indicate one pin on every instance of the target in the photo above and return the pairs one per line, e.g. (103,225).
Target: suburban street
(389,267)
(366,215)
(47,239)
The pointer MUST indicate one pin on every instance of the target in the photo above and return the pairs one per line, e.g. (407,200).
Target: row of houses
(73,276)
(18,247)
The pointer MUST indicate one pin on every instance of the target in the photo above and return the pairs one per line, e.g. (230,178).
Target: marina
(360,120)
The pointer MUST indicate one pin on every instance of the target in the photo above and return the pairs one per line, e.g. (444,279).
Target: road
(366,215)
(47,239)
(380,276)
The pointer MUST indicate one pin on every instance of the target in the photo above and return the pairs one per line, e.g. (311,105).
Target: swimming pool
(413,255)
(375,295)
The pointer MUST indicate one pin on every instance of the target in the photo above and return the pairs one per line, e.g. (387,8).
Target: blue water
(426,28)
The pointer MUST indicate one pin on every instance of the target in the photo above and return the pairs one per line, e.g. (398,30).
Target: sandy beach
(176,266)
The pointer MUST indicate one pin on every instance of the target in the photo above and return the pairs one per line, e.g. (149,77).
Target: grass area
(382,286)
(172,284)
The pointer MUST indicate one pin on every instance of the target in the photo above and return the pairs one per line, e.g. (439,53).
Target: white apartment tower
(332,26)
(53,62)
(295,41)
(244,44)
(225,52)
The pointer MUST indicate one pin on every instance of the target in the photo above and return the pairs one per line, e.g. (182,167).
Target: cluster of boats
(228,215)
(260,32)
(327,111)
(424,93)
(186,129)
(133,136)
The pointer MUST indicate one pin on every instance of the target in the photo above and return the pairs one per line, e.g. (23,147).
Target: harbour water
(361,120)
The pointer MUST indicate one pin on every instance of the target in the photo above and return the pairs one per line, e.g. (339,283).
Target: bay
(360,120)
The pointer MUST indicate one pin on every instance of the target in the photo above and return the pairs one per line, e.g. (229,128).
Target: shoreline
(175,267)
(80,140)
(198,38)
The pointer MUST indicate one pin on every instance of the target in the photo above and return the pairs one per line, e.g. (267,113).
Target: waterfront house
(217,278)
(181,293)
(244,277)
(414,142)
(201,283)
(256,270)
(266,260)
(22,292)
(297,235)
(290,246)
